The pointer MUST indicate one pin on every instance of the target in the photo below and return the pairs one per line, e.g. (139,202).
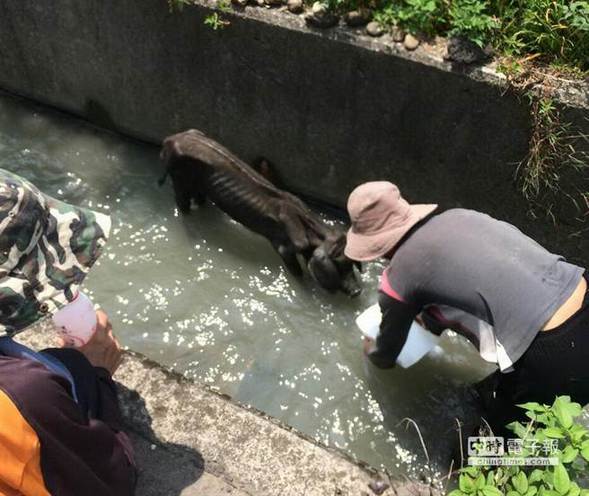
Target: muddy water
(205,296)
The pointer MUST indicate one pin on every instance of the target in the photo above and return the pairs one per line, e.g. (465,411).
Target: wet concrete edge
(189,438)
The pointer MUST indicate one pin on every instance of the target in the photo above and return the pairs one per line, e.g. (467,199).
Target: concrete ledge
(190,440)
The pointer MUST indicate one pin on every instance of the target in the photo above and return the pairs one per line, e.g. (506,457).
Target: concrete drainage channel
(190,440)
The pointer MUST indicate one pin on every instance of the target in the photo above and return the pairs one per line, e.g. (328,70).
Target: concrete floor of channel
(192,441)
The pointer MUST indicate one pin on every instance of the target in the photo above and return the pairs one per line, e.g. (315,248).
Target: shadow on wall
(163,468)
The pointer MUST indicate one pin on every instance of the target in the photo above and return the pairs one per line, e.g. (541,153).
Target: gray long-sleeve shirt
(469,263)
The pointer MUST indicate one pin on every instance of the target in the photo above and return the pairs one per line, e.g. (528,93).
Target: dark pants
(555,364)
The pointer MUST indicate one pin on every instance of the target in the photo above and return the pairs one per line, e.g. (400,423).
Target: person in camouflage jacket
(60,425)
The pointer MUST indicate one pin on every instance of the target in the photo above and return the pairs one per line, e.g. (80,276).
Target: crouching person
(526,309)
(60,425)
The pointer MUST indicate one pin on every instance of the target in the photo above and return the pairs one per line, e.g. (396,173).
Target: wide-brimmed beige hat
(380,218)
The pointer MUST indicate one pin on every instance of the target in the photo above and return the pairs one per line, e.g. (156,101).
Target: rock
(378,486)
(374,29)
(413,489)
(398,34)
(357,18)
(295,6)
(239,3)
(274,3)
(410,42)
(321,17)
(464,51)
(320,9)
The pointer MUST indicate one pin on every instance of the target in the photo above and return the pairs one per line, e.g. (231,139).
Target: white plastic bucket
(419,341)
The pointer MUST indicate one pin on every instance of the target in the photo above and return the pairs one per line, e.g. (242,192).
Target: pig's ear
(265,168)
(335,246)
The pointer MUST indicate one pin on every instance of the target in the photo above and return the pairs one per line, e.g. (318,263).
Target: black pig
(201,168)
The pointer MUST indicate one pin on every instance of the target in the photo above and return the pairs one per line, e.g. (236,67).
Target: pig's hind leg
(183,194)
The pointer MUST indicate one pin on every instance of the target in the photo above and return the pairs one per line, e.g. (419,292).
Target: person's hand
(369,345)
(103,349)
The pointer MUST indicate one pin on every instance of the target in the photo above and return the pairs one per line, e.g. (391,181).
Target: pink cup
(76,322)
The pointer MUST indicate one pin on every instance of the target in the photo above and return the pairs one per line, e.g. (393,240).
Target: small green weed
(214,20)
(224,5)
(511,68)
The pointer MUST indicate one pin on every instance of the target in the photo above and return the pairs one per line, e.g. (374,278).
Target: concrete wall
(330,111)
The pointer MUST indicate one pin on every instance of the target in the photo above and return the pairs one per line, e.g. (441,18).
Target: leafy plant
(421,15)
(224,5)
(469,18)
(570,445)
(414,16)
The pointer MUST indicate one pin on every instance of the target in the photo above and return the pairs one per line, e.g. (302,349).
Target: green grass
(548,151)
(554,169)
(557,31)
